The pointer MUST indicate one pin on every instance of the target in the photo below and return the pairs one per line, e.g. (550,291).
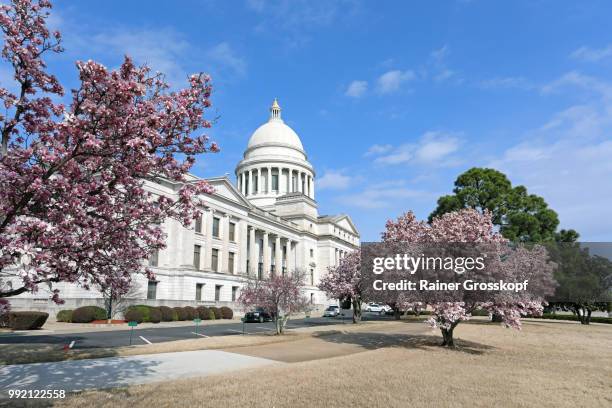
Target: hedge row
(147,314)
(594,319)
(143,313)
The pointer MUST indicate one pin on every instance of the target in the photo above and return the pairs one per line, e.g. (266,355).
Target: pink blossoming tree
(279,295)
(72,203)
(345,282)
(509,264)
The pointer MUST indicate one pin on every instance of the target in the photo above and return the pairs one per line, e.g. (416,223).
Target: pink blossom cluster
(73,207)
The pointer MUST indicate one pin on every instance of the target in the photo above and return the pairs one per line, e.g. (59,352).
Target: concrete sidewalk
(122,371)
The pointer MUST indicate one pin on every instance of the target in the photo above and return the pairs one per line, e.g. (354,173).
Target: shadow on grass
(374,340)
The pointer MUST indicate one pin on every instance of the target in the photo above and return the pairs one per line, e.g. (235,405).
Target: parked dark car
(259,315)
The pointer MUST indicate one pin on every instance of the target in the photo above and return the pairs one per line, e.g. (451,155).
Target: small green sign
(132,324)
(197,320)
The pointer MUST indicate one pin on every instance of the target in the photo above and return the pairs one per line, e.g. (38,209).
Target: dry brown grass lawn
(548,364)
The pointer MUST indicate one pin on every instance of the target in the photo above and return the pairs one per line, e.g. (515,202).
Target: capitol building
(266,222)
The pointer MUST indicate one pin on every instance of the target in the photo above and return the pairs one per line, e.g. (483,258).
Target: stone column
(206,256)
(312,193)
(224,261)
(278,256)
(242,229)
(299,182)
(259,189)
(266,255)
(290,257)
(250,182)
(252,254)
(269,180)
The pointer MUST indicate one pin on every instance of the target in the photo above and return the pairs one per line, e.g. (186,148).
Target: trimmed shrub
(134,315)
(27,320)
(167,314)
(64,316)
(5,308)
(190,312)
(211,315)
(217,312)
(480,312)
(203,312)
(180,313)
(144,309)
(226,312)
(155,315)
(88,314)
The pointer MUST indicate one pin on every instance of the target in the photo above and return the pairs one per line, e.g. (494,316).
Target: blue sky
(392,99)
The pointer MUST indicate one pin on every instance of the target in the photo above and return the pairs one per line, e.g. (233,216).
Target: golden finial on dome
(275,110)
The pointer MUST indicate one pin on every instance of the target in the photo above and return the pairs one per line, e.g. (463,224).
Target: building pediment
(224,188)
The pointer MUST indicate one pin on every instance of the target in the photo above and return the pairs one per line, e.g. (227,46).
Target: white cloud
(505,82)
(592,54)
(356,89)
(391,81)
(160,49)
(433,148)
(584,82)
(378,149)
(440,53)
(333,180)
(384,196)
(444,75)
(223,54)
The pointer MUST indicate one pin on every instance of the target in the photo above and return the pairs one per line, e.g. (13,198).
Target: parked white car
(331,311)
(374,308)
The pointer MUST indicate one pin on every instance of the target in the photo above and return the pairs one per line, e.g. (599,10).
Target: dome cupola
(274,163)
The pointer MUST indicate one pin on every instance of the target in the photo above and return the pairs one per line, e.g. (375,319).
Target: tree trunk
(397,313)
(447,336)
(356,311)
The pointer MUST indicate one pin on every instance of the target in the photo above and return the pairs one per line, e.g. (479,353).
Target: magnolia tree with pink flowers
(506,263)
(72,203)
(279,295)
(345,282)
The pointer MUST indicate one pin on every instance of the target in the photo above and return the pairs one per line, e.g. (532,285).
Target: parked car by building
(259,315)
(374,308)
(331,311)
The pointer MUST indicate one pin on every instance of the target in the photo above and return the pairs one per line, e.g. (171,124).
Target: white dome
(275,132)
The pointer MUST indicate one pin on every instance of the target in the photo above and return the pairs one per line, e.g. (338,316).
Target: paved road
(118,338)
(121,371)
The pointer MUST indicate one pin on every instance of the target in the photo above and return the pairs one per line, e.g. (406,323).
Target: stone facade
(267,223)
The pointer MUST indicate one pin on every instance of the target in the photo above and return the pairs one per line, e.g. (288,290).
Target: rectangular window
(311,252)
(196,256)
(246,186)
(232,231)
(199,287)
(311,298)
(216,222)
(198,224)
(230,262)
(234,293)
(260,271)
(312,276)
(255,184)
(217,293)
(275,182)
(154,258)
(152,290)
(215,260)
